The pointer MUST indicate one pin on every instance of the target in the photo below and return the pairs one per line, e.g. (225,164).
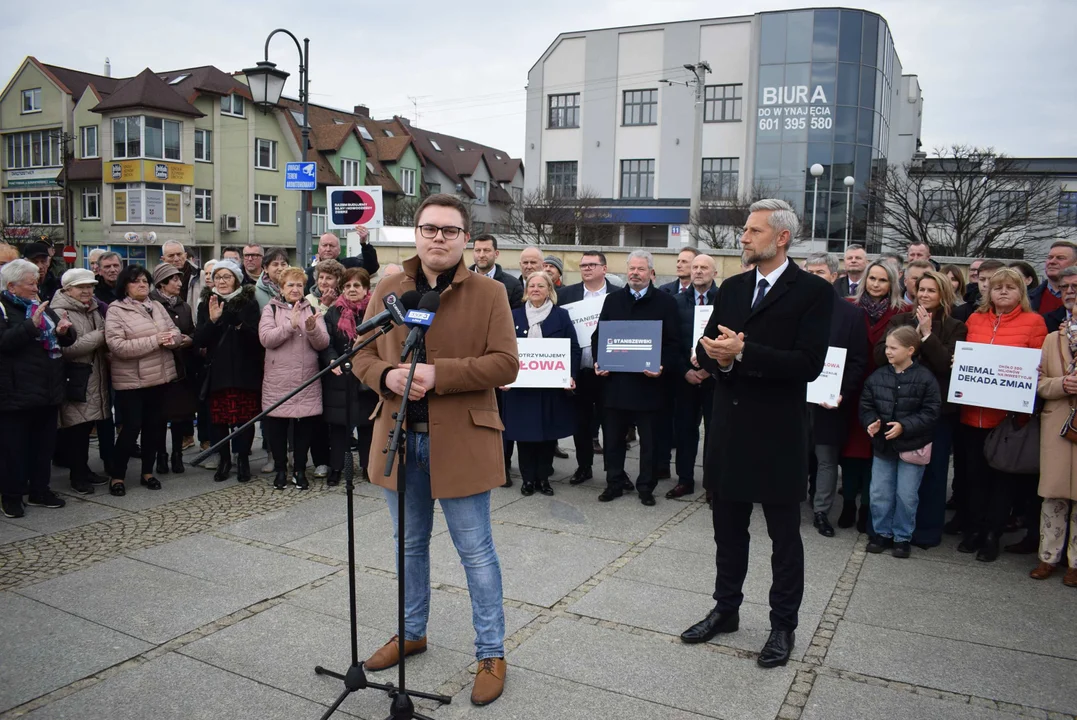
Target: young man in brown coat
(453,451)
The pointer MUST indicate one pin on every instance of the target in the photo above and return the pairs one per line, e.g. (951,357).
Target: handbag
(1014,447)
(1068,431)
(920,456)
(77,381)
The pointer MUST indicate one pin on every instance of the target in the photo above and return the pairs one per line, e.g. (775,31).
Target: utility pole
(65,139)
(699,82)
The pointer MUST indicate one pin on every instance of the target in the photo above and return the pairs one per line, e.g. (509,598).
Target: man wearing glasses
(453,447)
(252,263)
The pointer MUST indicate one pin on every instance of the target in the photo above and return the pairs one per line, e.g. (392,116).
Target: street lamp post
(849,180)
(816,170)
(266,83)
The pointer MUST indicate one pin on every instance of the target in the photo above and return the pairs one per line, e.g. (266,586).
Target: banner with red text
(544,363)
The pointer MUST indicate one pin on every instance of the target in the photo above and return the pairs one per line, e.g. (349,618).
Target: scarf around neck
(874,308)
(351,313)
(232,294)
(536,316)
(46,326)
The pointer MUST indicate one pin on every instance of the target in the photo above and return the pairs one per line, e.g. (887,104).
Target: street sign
(70,254)
(301,176)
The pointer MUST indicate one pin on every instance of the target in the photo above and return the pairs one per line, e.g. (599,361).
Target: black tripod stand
(355,678)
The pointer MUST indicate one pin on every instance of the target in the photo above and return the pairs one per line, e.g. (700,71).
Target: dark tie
(702,300)
(761,293)
(852,288)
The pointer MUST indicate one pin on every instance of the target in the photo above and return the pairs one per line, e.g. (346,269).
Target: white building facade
(786,90)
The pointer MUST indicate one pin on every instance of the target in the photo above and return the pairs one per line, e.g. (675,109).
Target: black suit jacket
(636,391)
(758,449)
(849,330)
(513,287)
(1055,318)
(841,285)
(672,288)
(574,293)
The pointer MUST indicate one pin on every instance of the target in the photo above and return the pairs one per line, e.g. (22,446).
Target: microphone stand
(402,707)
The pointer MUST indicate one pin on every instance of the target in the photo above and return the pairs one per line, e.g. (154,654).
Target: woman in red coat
(880,296)
(1003,318)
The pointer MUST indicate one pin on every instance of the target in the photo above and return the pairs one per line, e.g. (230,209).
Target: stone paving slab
(655,670)
(374,544)
(284,526)
(292,641)
(672,611)
(143,600)
(531,695)
(45,649)
(174,687)
(450,612)
(955,666)
(173,487)
(986,620)
(834,699)
(76,513)
(240,566)
(9,532)
(576,510)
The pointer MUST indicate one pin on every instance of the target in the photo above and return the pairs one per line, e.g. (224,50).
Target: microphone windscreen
(410,299)
(430,302)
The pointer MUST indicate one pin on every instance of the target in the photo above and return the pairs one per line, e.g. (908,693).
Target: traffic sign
(301,176)
(70,254)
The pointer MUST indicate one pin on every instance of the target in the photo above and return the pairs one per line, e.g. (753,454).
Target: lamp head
(849,181)
(266,83)
(816,170)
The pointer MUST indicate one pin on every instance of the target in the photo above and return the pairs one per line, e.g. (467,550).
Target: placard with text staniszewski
(995,376)
(629,345)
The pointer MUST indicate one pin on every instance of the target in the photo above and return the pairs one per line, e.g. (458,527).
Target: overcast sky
(996,73)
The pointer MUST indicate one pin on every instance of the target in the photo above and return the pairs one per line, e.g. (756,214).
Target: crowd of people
(146,359)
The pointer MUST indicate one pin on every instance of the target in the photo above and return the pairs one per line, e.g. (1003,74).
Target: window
(388,133)
(91,203)
(1007,206)
(637,178)
(35,208)
(407,180)
(148,203)
(349,171)
(518,195)
(126,137)
(480,192)
(721,176)
(561,179)
(433,188)
(40,148)
(640,107)
(365,134)
(203,145)
(31,101)
(89,141)
(265,209)
(564,111)
(434,143)
(939,205)
(161,138)
(722,103)
(265,154)
(203,205)
(232,105)
(319,219)
(1067,209)
(179,78)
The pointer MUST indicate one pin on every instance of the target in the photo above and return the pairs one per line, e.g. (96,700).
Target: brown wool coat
(472,346)
(1058,456)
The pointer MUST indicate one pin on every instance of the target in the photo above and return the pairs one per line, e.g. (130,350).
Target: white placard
(827,387)
(702,317)
(584,316)
(994,376)
(353,205)
(544,363)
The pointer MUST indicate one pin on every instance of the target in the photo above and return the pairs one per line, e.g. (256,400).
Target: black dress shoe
(162,464)
(581,475)
(822,524)
(777,649)
(544,488)
(508,479)
(679,490)
(716,622)
(970,543)
(646,498)
(989,551)
(879,543)
(177,462)
(151,482)
(558,452)
(608,495)
(901,550)
(848,516)
(527,489)
(224,467)
(243,468)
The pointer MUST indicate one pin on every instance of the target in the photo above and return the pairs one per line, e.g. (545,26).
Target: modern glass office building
(609,116)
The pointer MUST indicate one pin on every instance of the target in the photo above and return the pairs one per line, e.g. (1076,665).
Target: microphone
(419,320)
(393,312)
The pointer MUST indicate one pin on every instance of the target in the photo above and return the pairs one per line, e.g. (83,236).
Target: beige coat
(1058,456)
(472,346)
(89,347)
(138,360)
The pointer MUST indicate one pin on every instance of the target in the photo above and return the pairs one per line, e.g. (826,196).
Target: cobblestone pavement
(217,600)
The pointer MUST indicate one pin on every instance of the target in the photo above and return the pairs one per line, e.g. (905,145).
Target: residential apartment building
(609,116)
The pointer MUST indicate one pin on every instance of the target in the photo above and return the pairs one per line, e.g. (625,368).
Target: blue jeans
(895,493)
(468,519)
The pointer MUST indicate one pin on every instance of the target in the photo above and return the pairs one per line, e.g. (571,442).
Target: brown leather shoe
(389,654)
(489,682)
(1070,578)
(1042,571)
(679,490)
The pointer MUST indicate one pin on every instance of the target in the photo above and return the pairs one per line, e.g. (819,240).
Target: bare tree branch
(719,223)
(547,218)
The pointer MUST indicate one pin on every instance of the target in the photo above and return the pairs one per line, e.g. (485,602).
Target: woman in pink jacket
(140,337)
(293,334)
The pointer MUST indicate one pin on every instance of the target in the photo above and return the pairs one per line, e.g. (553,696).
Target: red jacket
(1016,328)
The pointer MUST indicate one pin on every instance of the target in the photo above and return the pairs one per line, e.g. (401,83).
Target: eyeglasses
(449,232)
(589,266)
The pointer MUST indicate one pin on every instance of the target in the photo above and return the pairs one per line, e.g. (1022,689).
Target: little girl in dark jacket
(899,408)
